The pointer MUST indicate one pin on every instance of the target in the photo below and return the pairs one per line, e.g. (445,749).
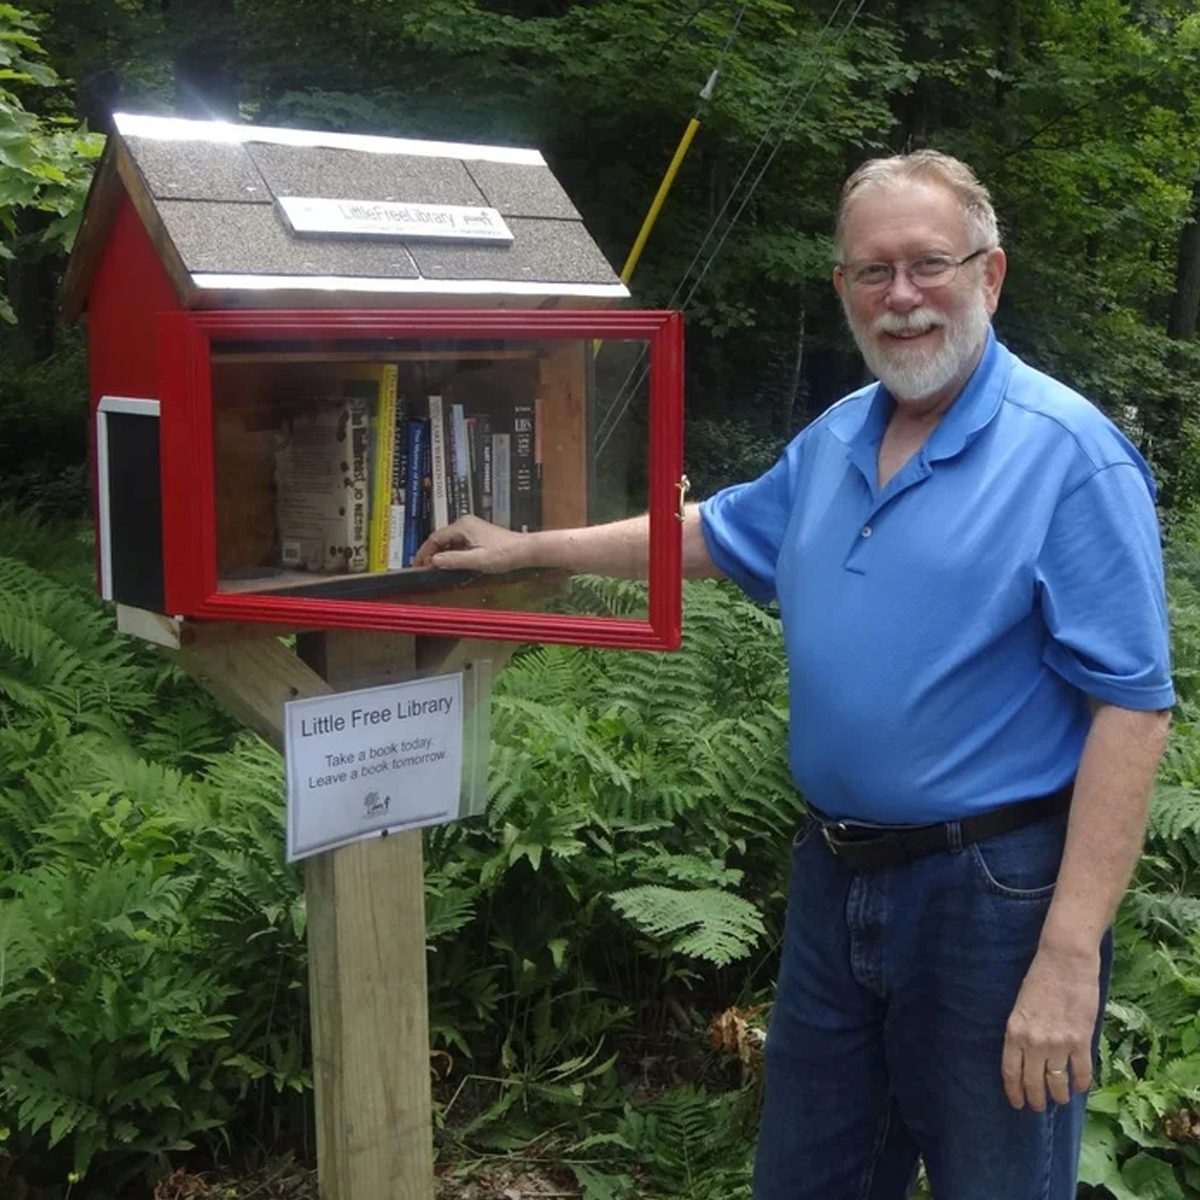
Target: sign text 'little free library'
(365,762)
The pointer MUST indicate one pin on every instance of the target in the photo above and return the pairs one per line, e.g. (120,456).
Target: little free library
(306,351)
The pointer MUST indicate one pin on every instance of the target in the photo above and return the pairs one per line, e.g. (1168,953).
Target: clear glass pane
(335,460)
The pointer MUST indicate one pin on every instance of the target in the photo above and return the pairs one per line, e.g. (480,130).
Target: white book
(462,462)
(437,454)
(395,559)
(502,480)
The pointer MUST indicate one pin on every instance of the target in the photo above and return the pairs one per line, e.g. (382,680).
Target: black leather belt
(860,845)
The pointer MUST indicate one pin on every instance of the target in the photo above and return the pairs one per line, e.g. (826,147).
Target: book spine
(483,439)
(417,453)
(311,487)
(535,514)
(437,453)
(522,466)
(398,501)
(472,427)
(384,451)
(461,459)
(426,526)
(359,511)
(502,480)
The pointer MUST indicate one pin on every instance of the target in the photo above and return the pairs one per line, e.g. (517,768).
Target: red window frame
(189,471)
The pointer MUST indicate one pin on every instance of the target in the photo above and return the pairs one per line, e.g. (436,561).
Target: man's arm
(1051,1024)
(619,549)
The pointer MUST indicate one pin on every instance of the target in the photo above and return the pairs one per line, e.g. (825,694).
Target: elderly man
(967,564)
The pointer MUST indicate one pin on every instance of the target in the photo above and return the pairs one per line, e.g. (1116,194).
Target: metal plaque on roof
(381,218)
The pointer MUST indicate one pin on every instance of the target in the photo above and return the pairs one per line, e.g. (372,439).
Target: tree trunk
(205,77)
(32,278)
(789,409)
(1185,303)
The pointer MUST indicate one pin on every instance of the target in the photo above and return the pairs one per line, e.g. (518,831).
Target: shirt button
(866,531)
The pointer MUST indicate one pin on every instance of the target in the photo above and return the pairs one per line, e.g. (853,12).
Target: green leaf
(602,1185)
(1149,1178)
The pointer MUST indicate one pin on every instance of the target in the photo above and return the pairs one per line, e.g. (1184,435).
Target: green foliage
(46,159)
(1138,1142)
(707,923)
(43,429)
(582,908)
(151,940)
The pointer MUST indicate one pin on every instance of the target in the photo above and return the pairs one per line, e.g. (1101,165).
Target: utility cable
(625,393)
(685,142)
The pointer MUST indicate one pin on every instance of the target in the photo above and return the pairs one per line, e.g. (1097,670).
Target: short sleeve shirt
(944,634)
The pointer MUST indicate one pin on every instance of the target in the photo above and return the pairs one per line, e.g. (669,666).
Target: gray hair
(927,166)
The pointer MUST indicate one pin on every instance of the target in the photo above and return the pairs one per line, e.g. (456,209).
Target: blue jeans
(886,1036)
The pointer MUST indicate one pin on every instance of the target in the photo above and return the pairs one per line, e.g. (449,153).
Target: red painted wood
(311,613)
(666,471)
(129,289)
(189,469)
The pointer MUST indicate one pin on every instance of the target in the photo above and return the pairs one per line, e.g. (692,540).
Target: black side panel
(135,510)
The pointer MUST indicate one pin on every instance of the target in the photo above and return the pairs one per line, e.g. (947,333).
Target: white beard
(914,373)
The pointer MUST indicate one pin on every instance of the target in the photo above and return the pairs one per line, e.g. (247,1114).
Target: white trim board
(179,129)
(427,287)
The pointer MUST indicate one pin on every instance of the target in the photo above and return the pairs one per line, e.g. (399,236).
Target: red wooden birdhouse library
(308,349)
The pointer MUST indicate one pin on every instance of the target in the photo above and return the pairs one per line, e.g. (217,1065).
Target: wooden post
(366,956)
(366,918)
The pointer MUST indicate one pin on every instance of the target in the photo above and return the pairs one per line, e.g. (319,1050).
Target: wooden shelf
(381,585)
(372,357)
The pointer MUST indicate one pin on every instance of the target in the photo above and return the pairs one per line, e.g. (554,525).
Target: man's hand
(471,544)
(1048,1040)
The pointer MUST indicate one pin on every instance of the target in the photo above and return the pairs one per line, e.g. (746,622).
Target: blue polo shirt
(944,634)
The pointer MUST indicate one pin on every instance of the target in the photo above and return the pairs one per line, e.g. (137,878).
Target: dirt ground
(287,1181)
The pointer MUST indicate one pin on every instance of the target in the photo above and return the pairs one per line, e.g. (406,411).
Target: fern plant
(152,967)
(632,855)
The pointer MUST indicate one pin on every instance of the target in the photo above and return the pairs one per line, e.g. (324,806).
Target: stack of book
(364,476)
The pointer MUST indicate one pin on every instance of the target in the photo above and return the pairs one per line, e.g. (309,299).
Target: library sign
(368,762)
(372,218)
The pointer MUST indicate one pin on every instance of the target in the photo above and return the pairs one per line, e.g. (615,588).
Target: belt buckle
(833,842)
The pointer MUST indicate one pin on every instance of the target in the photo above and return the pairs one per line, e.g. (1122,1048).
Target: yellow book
(381,474)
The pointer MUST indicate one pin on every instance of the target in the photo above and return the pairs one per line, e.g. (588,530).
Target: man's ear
(995,267)
(839,282)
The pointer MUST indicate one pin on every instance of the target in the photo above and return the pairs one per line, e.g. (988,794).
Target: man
(967,565)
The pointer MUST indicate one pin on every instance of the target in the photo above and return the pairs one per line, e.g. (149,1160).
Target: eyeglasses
(928,271)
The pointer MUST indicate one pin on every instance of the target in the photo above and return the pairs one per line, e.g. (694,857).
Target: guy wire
(625,393)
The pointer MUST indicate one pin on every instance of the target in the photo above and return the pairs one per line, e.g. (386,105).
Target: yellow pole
(663,188)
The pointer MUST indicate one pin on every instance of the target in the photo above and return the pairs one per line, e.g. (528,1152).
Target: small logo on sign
(373,806)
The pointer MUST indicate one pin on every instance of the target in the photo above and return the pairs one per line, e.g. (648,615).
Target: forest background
(152,970)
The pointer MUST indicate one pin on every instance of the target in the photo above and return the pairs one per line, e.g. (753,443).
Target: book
(425,527)
(383,449)
(501,480)
(460,462)
(437,453)
(522,473)
(398,500)
(417,484)
(535,515)
(314,496)
(360,395)
(482,443)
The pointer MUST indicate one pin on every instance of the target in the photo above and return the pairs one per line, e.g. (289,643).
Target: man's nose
(903,295)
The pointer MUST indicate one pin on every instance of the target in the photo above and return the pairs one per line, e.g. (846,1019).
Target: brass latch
(683,487)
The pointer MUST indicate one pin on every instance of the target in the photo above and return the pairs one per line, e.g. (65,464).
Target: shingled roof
(208,193)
